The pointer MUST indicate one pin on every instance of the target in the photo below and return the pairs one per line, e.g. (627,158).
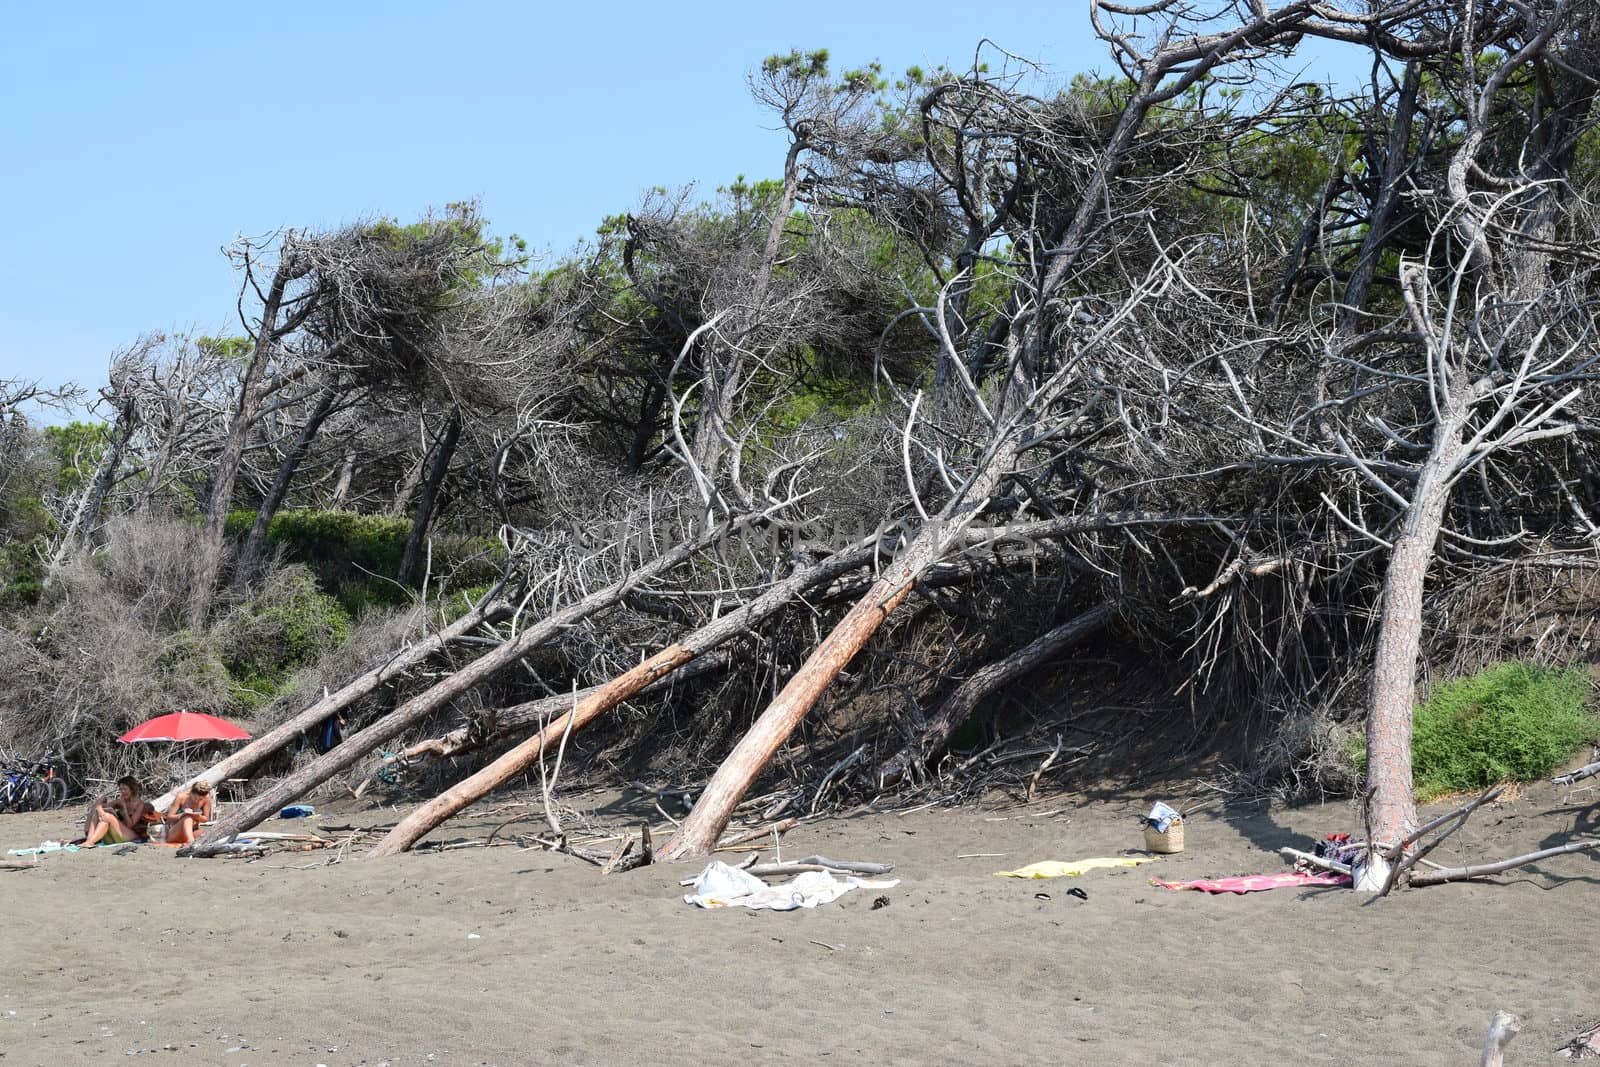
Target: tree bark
(256,542)
(516,718)
(226,471)
(699,833)
(437,469)
(347,472)
(241,760)
(958,706)
(105,477)
(603,698)
(1484,870)
(1397,163)
(1392,806)
(432,699)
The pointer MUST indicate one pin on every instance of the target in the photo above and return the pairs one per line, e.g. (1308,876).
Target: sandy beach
(508,956)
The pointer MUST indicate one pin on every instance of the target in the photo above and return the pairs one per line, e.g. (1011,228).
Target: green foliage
(287,627)
(356,556)
(1511,721)
(21,572)
(327,538)
(798,64)
(189,661)
(76,448)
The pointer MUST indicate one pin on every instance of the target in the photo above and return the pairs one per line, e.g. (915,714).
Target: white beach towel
(722,886)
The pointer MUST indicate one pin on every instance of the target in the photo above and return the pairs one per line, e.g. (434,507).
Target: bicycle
(32,785)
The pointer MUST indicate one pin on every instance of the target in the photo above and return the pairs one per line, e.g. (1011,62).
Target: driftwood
(1502,1028)
(1586,1046)
(1402,861)
(1317,861)
(240,760)
(469,791)
(758,834)
(818,863)
(1588,770)
(432,699)
(1484,870)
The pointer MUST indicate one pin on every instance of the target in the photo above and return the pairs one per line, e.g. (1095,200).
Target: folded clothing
(1257,883)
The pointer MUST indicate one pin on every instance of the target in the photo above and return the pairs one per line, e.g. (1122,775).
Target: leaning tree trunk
(437,469)
(1392,806)
(501,723)
(237,762)
(256,542)
(422,705)
(229,460)
(700,831)
(105,476)
(957,708)
(603,698)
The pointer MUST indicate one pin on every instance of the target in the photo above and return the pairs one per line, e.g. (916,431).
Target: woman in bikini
(189,810)
(121,820)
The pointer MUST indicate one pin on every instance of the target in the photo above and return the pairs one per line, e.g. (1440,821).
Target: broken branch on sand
(1484,870)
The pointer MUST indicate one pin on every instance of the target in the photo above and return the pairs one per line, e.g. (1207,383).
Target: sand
(503,956)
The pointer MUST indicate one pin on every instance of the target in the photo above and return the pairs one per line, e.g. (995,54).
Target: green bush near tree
(290,624)
(1511,721)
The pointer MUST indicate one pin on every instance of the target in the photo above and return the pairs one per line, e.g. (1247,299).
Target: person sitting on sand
(189,810)
(121,820)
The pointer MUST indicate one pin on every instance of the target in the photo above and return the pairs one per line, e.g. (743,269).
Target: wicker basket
(1166,843)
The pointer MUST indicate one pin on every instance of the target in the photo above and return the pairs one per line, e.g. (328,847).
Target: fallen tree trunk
(602,698)
(1502,1028)
(432,699)
(1588,770)
(957,708)
(698,834)
(511,720)
(1483,870)
(514,718)
(236,763)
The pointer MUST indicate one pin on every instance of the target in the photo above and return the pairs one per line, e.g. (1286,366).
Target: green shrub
(287,626)
(1511,721)
(358,555)
(336,541)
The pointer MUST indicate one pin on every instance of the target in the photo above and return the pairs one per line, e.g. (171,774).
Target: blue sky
(139,140)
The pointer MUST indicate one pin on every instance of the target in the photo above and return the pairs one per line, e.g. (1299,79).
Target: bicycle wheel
(58,792)
(38,795)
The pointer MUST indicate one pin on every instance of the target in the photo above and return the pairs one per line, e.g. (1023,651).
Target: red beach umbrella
(185,726)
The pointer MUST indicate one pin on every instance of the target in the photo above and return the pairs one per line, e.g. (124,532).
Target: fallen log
(1588,770)
(432,699)
(508,721)
(1484,870)
(1502,1028)
(760,833)
(602,698)
(243,759)
(733,779)
(503,722)
(818,863)
(958,707)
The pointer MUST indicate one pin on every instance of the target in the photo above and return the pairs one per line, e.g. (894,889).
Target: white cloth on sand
(722,886)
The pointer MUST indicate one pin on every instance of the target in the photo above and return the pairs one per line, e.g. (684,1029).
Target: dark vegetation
(1238,361)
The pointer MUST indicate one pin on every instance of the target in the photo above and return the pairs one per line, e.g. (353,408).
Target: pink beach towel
(1256,883)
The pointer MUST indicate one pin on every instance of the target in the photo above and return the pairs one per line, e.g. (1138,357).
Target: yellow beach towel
(1059,869)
